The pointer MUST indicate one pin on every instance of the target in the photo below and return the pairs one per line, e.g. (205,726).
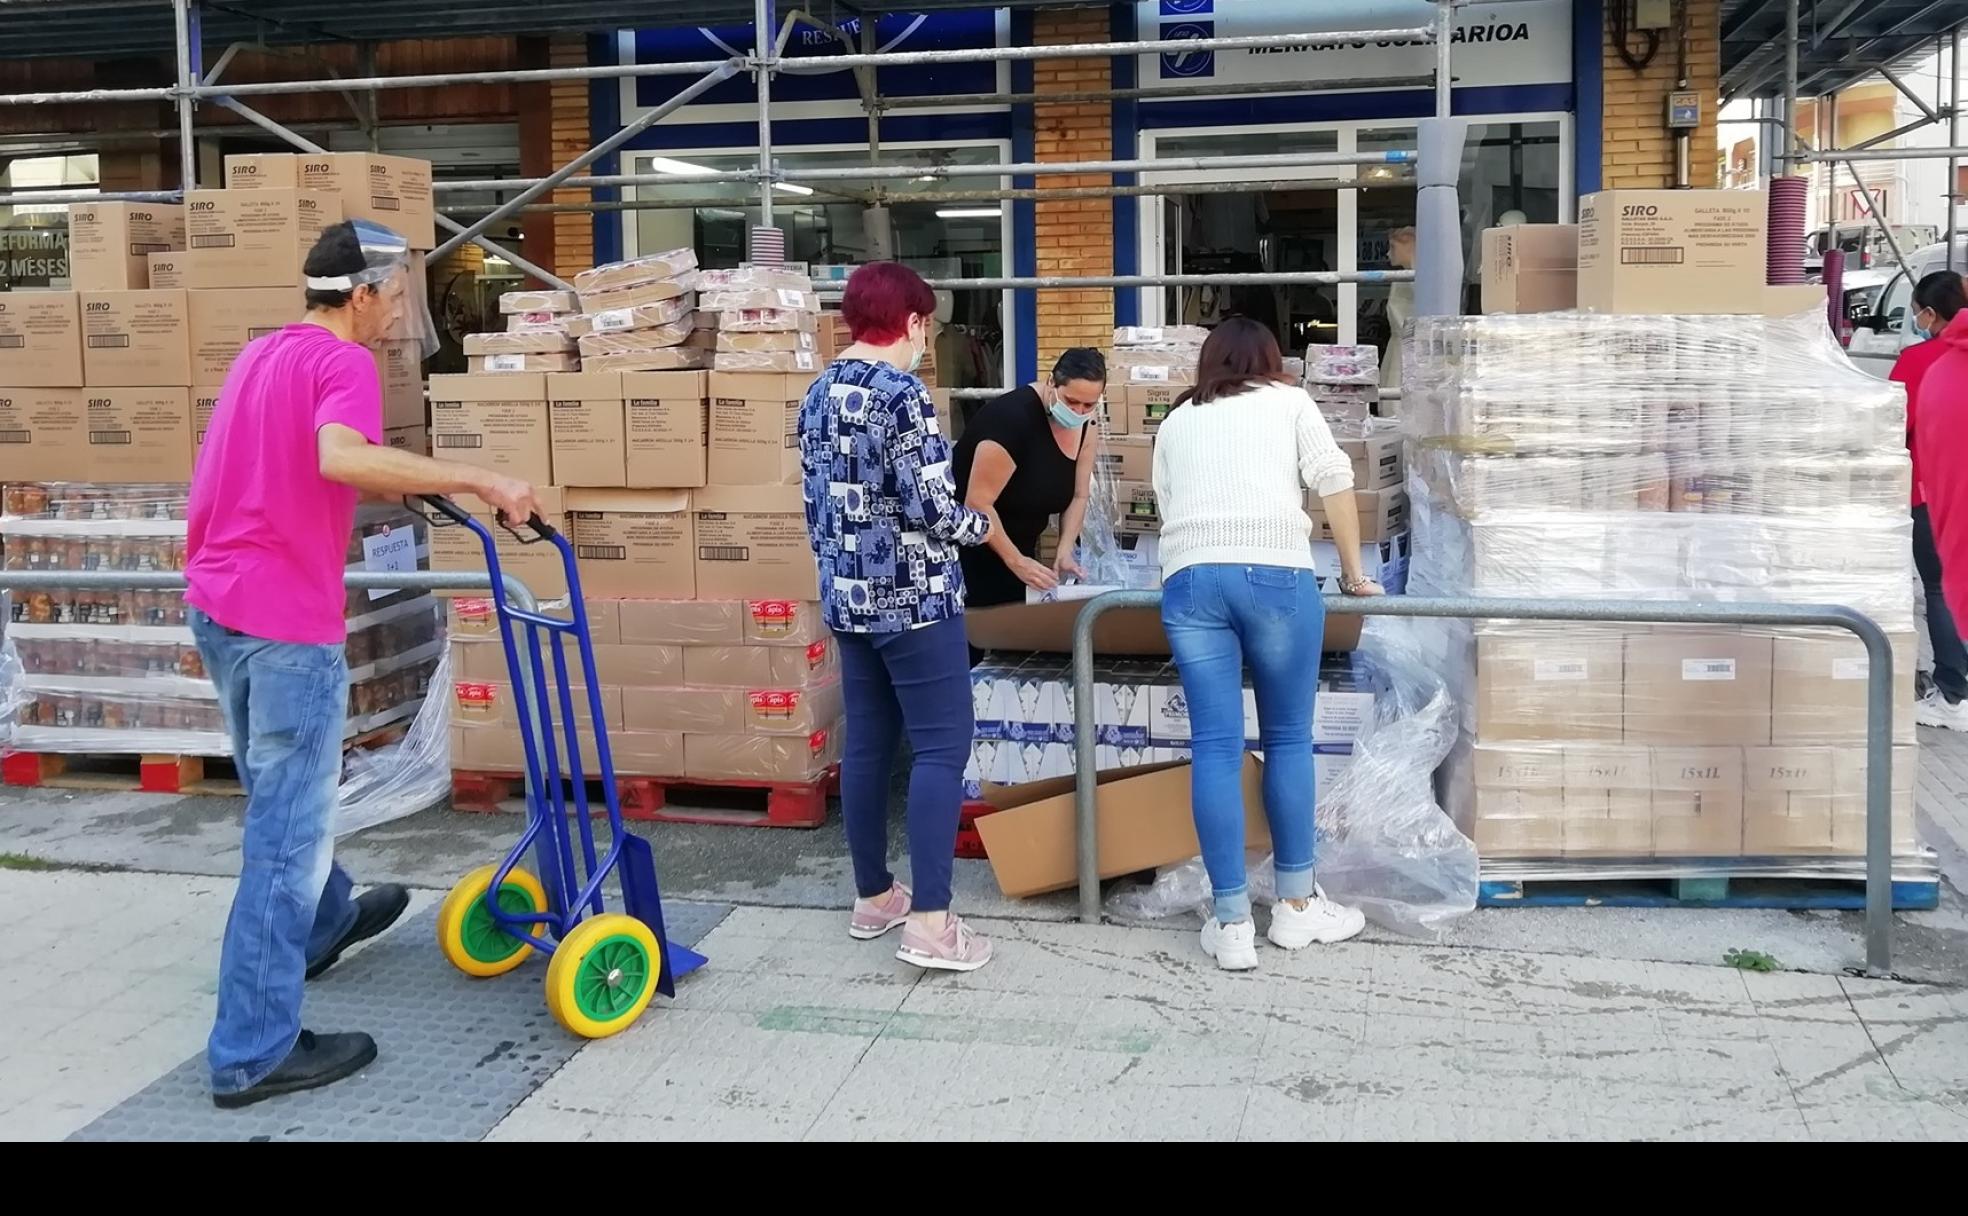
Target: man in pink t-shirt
(295,440)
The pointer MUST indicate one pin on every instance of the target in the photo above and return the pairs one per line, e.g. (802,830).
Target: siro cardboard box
(782,623)
(1672,251)
(393,191)
(752,544)
(1376,460)
(1383,514)
(204,402)
(1530,268)
(755,428)
(135,339)
(735,711)
(43,435)
(139,434)
(109,244)
(224,320)
(668,428)
(1698,688)
(413,439)
(1143,821)
(632,542)
(41,339)
(760,757)
(1545,684)
(400,367)
(1520,802)
(1698,801)
(1818,688)
(750,666)
(494,422)
(1787,800)
(639,666)
(1129,457)
(168,271)
(1609,807)
(681,622)
(1848,811)
(253,238)
(590,442)
(456,547)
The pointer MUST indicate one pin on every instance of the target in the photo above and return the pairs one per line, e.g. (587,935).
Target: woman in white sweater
(1232,464)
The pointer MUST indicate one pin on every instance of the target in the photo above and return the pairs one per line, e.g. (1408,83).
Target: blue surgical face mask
(1068,417)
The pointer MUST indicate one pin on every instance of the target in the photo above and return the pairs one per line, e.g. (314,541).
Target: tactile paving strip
(455,1054)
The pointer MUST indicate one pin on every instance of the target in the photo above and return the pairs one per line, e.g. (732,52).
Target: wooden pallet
(1708,892)
(150,773)
(757,804)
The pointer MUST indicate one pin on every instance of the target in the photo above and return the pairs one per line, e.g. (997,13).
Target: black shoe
(317,1060)
(375,910)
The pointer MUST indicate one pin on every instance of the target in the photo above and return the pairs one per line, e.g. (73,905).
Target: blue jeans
(1218,619)
(284,706)
(919,681)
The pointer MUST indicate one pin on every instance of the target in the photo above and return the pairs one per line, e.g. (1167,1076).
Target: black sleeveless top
(1040,487)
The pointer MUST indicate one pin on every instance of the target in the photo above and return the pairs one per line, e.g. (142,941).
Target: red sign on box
(816,655)
(778,617)
(473,608)
(775,703)
(816,743)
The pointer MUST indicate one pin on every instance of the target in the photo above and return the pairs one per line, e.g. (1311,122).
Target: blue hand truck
(604,967)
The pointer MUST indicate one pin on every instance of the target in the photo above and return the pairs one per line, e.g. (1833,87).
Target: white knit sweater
(1231,475)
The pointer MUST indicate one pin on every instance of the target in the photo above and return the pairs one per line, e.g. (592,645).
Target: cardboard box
(168,271)
(1143,406)
(1520,801)
(1383,514)
(760,757)
(1048,628)
(1848,812)
(750,666)
(1136,512)
(1792,299)
(590,441)
(43,435)
(109,244)
(1818,688)
(135,339)
(494,422)
(1672,251)
(1698,688)
(782,623)
(632,542)
(1787,800)
(1129,457)
(1551,684)
(752,544)
(456,547)
(493,365)
(41,339)
(139,434)
(636,667)
(668,428)
(604,621)
(735,711)
(400,367)
(254,238)
(1530,268)
(1609,808)
(755,428)
(1376,459)
(1143,820)
(393,191)
(489,703)
(413,439)
(204,402)
(224,320)
(681,622)
(1698,801)
(471,616)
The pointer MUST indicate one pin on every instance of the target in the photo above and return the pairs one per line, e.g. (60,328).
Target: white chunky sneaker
(1320,920)
(1233,946)
(1935,710)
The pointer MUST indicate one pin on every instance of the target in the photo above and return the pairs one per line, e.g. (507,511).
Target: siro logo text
(207,206)
(316,166)
(99,306)
(1639,211)
(101,403)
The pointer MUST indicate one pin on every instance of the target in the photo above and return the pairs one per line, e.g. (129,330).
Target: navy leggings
(916,681)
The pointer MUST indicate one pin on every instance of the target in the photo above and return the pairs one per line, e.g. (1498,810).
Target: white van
(1877,342)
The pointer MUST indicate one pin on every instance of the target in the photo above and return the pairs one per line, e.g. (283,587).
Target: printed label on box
(505,363)
(612,320)
(1850,668)
(1558,669)
(791,299)
(1708,669)
(1155,375)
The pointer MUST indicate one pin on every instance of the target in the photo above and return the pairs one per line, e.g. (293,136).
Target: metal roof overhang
(1840,41)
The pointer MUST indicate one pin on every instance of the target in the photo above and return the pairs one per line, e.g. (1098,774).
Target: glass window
(34,236)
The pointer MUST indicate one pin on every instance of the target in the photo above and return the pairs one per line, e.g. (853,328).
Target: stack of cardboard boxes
(679,490)
(1727,456)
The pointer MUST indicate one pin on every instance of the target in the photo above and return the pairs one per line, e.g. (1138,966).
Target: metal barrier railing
(1879,708)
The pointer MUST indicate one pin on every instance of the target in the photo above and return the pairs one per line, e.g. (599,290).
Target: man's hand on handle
(514,498)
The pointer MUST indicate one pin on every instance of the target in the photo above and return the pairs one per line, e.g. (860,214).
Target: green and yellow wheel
(471,939)
(603,975)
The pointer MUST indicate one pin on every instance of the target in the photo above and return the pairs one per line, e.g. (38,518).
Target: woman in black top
(1024,458)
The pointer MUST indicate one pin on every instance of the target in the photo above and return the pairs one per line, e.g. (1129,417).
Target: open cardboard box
(1122,631)
(1143,821)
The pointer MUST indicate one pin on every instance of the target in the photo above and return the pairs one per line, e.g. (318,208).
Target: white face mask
(916,352)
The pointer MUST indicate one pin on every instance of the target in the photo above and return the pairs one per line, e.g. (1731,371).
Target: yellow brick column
(1638,149)
(573,231)
(1074,236)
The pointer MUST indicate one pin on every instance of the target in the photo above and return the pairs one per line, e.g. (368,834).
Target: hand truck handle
(542,530)
(445,507)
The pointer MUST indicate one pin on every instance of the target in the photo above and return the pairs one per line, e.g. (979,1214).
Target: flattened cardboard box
(633,542)
(752,544)
(224,320)
(494,422)
(43,435)
(139,434)
(1143,820)
(109,244)
(41,339)
(254,238)
(586,421)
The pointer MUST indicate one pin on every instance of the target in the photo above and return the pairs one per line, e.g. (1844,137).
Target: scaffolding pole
(1299,278)
(767,62)
(182,20)
(1444,40)
(1791,35)
(1954,137)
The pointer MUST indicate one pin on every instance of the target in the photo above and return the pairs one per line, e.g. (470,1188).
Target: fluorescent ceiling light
(970,213)
(683,168)
(792,187)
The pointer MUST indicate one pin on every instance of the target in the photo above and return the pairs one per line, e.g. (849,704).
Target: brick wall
(573,232)
(1074,236)
(1638,149)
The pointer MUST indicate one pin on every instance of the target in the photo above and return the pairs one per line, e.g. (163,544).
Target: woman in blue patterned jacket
(885,520)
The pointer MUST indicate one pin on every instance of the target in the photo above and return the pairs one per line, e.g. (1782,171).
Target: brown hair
(1238,355)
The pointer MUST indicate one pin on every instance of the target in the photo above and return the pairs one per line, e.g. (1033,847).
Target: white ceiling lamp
(970,213)
(683,168)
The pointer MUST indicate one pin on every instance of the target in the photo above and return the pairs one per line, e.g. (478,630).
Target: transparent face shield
(397,274)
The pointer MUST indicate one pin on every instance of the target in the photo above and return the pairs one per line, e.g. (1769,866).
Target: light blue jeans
(284,706)
(1219,619)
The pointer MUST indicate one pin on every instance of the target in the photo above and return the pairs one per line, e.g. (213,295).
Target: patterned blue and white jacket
(881,502)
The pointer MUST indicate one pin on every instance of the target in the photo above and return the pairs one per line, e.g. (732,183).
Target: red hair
(879,300)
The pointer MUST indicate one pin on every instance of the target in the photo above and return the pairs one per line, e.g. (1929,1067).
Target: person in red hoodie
(1935,373)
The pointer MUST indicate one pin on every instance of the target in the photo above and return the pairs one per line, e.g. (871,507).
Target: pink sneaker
(955,949)
(874,917)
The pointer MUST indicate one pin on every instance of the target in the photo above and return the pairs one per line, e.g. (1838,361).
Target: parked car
(1865,245)
(1879,337)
